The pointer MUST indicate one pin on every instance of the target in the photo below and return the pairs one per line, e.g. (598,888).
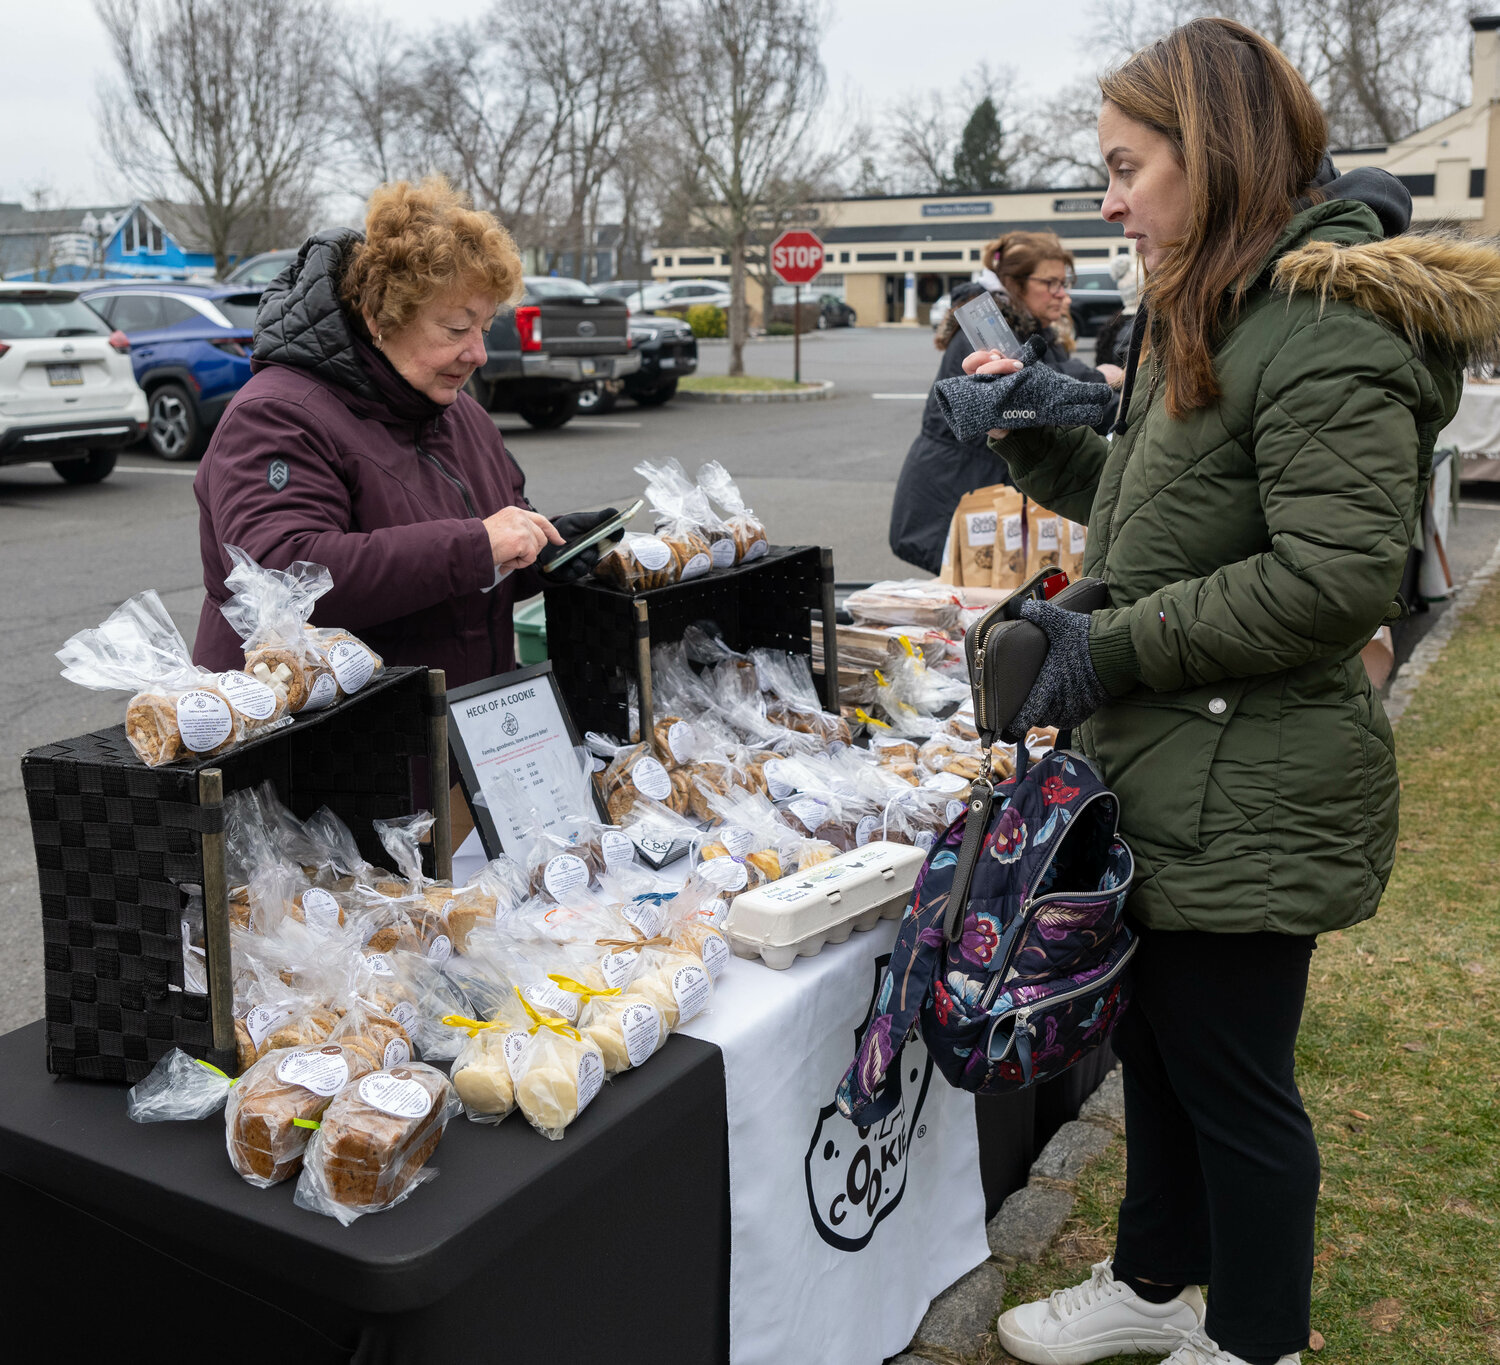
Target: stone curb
(1027,1224)
(823,389)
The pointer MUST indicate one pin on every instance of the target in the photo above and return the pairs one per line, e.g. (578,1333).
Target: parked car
(677,296)
(939,311)
(67,392)
(668,350)
(834,312)
(560,341)
(1093,298)
(190,345)
(258,271)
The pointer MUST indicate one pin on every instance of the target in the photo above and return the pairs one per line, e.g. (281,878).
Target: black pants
(1221,1164)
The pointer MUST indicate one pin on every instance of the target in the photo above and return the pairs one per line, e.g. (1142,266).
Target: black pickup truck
(560,340)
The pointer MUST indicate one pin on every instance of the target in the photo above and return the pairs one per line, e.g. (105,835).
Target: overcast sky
(875,51)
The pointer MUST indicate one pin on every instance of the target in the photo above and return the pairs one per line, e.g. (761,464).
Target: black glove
(1067,690)
(570,526)
(1034,396)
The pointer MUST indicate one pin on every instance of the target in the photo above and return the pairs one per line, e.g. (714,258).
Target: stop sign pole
(796,259)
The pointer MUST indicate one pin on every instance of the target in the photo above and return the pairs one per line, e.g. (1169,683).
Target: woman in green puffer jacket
(1251,516)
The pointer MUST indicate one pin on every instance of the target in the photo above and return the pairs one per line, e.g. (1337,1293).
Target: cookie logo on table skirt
(278,475)
(856,1176)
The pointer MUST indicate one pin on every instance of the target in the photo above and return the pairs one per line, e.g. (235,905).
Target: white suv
(67,390)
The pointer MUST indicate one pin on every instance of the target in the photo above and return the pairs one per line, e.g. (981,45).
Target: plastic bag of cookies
(269,611)
(748,531)
(177,710)
(684,521)
(373,1143)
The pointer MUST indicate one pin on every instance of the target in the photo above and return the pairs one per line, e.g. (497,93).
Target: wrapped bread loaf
(374,1141)
(264,1139)
(482,1074)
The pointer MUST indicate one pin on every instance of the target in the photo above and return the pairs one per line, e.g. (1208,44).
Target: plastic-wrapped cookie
(282,671)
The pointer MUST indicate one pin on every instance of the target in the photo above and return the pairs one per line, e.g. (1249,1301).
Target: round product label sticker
(691,987)
(617,967)
(379,964)
(618,850)
(944,782)
(955,809)
(924,840)
(714,911)
(440,949)
(727,874)
(699,564)
(353,665)
(867,829)
(723,552)
(648,918)
(811,811)
(682,740)
(757,549)
(404,1013)
(319,909)
(548,999)
(565,873)
(262,1019)
(738,840)
(641,1025)
(780,787)
(322,1070)
(249,696)
(396,1052)
(651,779)
(323,692)
(650,553)
(590,1078)
(204,720)
(515,1046)
(715,954)
(397,1093)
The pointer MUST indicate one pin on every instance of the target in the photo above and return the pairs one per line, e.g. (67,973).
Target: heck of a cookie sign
(856,1176)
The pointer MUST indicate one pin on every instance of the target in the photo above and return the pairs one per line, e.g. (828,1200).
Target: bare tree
(221,105)
(742,82)
(375,78)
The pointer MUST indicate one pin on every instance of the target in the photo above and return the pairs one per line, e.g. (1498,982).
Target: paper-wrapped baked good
(374,1141)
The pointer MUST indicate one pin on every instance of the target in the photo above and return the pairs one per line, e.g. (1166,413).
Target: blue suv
(190,344)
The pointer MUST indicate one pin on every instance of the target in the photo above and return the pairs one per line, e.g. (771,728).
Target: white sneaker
(1201,1349)
(1098,1318)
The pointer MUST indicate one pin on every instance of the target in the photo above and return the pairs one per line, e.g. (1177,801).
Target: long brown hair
(1250,136)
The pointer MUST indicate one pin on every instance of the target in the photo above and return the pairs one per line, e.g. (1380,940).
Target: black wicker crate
(599,637)
(117,841)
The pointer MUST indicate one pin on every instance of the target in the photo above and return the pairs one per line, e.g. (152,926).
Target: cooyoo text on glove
(1034,396)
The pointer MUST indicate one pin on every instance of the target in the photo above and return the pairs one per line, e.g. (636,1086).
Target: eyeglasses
(1051,286)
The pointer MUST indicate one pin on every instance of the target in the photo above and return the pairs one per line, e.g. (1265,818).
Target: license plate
(64,374)
(587,366)
(669,362)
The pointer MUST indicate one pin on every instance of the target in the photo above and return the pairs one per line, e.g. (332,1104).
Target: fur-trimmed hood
(1435,286)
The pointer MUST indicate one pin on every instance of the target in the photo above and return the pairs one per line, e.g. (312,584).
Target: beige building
(892,258)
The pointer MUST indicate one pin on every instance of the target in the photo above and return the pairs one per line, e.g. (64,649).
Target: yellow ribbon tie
(906,645)
(861,714)
(307,1123)
(548,1021)
(880,678)
(578,988)
(463,1021)
(209,1066)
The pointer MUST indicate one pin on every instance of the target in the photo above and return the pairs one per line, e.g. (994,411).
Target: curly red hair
(422,242)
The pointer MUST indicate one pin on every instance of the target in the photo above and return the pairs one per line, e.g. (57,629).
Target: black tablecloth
(522,1249)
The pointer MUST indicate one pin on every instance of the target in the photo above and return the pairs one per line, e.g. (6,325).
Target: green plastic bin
(531,631)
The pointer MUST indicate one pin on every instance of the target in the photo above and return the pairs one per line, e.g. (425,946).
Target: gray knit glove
(1067,690)
(1034,396)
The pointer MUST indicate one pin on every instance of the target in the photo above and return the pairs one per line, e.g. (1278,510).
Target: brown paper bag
(1043,542)
(949,571)
(1072,537)
(1010,538)
(974,525)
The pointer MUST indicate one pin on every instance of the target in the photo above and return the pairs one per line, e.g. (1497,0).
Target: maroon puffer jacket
(328,455)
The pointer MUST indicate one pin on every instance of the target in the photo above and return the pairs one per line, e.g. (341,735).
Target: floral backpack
(1021,969)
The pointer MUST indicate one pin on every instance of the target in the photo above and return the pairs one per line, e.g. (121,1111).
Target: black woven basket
(117,841)
(599,637)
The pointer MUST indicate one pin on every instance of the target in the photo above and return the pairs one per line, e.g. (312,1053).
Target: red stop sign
(797,256)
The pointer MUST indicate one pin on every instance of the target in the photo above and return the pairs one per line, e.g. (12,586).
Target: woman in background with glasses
(1028,274)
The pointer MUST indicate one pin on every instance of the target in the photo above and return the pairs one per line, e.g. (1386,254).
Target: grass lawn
(738,383)
(1398,1060)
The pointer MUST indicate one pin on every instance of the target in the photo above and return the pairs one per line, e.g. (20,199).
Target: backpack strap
(871,1087)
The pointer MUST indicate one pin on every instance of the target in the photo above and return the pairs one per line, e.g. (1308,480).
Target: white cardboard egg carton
(796,916)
